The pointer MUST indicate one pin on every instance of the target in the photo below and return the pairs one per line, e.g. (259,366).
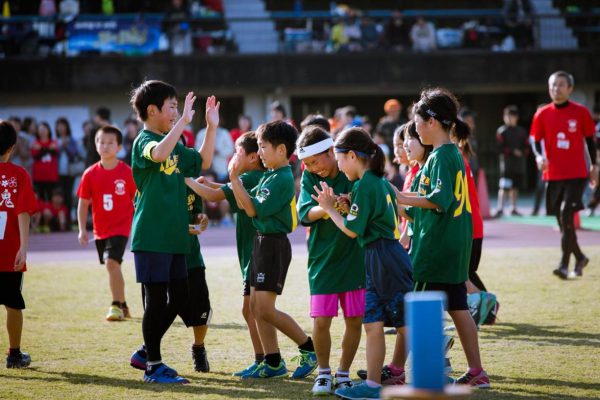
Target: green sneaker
(248,370)
(264,370)
(307,363)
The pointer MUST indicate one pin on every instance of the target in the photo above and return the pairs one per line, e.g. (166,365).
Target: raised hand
(325,197)
(188,108)
(212,111)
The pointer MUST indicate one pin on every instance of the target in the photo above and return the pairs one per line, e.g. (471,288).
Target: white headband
(315,148)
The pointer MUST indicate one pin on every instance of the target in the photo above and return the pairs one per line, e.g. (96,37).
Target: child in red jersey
(17,203)
(108,185)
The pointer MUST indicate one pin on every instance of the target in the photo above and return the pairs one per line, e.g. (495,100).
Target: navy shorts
(112,247)
(11,284)
(151,267)
(198,311)
(389,278)
(455,292)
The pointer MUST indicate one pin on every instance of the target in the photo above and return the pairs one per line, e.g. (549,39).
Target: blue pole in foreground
(425,333)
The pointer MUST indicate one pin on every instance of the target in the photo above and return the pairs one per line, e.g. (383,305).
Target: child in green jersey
(272,207)
(373,221)
(336,268)
(160,238)
(246,153)
(442,226)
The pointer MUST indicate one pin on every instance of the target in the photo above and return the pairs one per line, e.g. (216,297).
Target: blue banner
(131,35)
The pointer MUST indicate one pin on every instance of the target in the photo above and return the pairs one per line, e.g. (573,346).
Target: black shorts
(112,247)
(11,284)
(455,292)
(510,180)
(198,311)
(246,288)
(272,254)
(568,192)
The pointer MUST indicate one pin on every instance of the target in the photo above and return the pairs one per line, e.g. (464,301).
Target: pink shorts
(326,305)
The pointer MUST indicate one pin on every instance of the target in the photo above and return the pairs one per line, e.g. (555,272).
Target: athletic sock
(116,303)
(152,366)
(124,305)
(475,371)
(14,352)
(308,346)
(273,359)
(259,357)
(342,374)
(396,371)
(324,371)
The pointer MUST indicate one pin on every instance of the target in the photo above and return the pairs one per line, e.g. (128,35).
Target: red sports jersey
(111,192)
(474,200)
(16,197)
(563,130)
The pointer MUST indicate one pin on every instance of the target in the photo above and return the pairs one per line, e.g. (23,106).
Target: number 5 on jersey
(107,202)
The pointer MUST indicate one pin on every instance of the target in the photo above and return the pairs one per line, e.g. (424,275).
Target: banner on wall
(130,35)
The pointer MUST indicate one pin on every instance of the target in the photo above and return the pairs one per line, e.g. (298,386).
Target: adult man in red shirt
(564,125)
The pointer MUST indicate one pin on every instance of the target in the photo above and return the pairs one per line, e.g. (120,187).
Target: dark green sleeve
(358,216)
(442,184)
(305,201)
(190,161)
(142,148)
(228,192)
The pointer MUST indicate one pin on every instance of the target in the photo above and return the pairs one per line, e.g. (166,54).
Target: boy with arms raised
(160,239)
(108,185)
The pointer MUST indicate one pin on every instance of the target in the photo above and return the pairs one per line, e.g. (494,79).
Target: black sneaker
(580,265)
(562,272)
(200,360)
(387,378)
(21,361)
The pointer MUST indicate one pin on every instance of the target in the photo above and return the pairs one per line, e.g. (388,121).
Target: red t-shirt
(563,130)
(474,200)
(16,197)
(111,192)
(45,162)
(56,211)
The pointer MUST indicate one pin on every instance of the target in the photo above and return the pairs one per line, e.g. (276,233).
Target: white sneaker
(322,386)
(343,382)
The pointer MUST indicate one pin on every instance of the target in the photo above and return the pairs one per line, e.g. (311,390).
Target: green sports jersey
(414,187)
(160,220)
(442,237)
(374,212)
(194,204)
(245,232)
(275,202)
(335,261)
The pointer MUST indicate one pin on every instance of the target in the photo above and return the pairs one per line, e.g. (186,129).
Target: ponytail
(360,142)
(462,132)
(377,161)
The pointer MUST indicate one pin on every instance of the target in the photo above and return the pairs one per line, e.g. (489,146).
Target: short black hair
(511,110)
(278,106)
(151,93)
(279,132)
(248,142)
(315,119)
(104,113)
(110,129)
(8,136)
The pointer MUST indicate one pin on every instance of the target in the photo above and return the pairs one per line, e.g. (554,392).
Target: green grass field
(545,346)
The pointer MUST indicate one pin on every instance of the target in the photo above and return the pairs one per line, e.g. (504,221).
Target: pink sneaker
(481,381)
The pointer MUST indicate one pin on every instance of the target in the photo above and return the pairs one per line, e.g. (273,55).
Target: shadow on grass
(534,389)
(550,334)
(220,384)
